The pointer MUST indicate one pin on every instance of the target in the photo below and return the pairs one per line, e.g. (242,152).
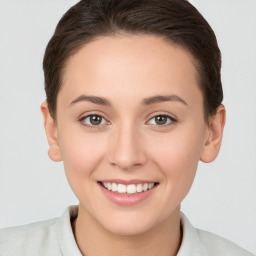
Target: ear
(214,136)
(51,133)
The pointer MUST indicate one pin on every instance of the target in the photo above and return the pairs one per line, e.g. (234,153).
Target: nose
(126,148)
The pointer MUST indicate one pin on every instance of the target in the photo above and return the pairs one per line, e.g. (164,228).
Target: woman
(134,101)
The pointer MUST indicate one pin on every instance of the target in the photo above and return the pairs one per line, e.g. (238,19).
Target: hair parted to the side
(176,21)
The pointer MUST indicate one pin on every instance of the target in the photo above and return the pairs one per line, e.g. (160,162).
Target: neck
(163,239)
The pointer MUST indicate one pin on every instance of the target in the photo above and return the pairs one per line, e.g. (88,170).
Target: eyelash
(172,120)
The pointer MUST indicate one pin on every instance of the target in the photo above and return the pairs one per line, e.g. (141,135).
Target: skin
(129,143)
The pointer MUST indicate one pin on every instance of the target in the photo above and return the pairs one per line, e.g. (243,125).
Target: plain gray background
(32,187)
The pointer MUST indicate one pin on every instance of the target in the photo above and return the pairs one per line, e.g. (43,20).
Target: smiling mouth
(128,189)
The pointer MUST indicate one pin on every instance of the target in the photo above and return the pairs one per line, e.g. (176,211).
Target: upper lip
(127,182)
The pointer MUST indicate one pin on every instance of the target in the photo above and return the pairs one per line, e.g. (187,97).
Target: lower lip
(127,199)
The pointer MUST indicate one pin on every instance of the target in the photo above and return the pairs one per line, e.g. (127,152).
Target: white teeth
(129,189)
(139,188)
(121,188)
(114,187)
(109,186)
(150,185)
(145,187)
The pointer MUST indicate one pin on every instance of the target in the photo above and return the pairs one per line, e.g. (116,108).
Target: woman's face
(130,112)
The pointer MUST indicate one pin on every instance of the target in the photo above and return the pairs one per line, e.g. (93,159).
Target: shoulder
(52,237)
(219,245)
(26,230)
(199,242)
(29,239)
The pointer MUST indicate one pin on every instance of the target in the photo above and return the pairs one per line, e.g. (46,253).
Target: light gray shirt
(55,238)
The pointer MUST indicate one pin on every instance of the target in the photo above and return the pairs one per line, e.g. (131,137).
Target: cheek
(81,153)
(177,155)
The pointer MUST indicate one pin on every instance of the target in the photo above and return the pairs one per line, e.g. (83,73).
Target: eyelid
(85,115)
(162,113)
(173,119)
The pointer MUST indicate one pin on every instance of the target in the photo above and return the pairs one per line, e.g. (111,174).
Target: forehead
(130,65)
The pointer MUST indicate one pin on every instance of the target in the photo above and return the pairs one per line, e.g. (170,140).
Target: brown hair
(176,21)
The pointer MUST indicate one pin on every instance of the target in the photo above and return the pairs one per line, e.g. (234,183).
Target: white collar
(190,246)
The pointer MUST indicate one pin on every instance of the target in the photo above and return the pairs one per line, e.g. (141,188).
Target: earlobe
(214,137)
(54,153)
(51,133)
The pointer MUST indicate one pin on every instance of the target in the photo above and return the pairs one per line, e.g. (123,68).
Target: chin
(128,230)
(128,227)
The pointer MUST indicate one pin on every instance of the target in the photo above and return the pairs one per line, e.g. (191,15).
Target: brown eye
(93,120)
(162,120)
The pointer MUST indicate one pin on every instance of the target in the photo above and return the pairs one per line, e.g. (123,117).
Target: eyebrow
(93,99)
(163,98)
(147,101)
